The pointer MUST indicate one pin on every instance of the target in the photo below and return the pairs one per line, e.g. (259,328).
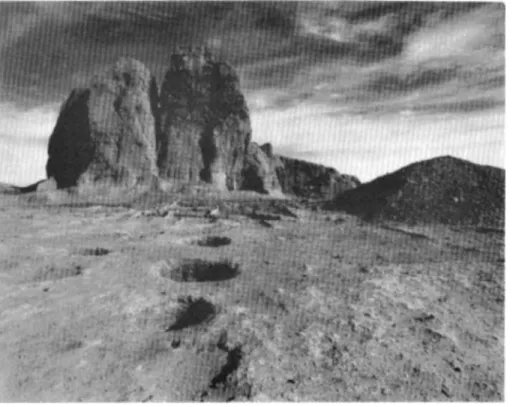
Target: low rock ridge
(309,180)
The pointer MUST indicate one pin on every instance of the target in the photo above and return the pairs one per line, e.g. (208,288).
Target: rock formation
(105,133)
(309,180)
(440,190)
(119,132)
(205,125)
(259,172)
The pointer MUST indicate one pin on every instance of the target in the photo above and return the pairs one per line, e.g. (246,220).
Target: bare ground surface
(119,304)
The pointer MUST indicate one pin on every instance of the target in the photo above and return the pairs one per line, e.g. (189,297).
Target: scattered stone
(267,225)
(264,216)
(364,269)
(47,185)
(424,317)
(213,214)
(97,251)
(162,212)
(446,391)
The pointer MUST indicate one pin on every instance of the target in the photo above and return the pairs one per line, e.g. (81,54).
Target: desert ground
(272,300)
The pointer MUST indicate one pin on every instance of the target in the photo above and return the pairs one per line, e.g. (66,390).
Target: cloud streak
(321,78)
(369,146)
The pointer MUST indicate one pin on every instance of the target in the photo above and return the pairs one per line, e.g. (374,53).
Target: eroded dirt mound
(444,189)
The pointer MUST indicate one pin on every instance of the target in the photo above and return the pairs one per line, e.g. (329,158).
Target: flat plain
(272,301)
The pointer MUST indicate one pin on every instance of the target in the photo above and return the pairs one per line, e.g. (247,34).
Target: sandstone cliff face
(106,133)
(309,180)
(259,173)
(205,125)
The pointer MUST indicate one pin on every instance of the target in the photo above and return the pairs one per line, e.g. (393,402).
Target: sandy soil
(114,304)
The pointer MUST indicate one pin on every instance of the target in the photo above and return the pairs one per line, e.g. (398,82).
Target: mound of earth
(444,190)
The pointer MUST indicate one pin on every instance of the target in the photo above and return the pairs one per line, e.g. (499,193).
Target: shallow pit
(50,272)
(214,241)
(96,251)
(192,312)
(202,270)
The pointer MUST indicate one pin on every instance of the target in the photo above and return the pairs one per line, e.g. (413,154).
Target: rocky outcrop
(444,190)
(120,132)
(309,180)
(205,125)
(105,133)
(259,173)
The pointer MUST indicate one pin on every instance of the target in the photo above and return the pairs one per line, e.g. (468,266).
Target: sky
(364,87)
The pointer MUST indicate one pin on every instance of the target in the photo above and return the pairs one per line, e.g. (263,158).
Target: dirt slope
(444,189)
(120,304)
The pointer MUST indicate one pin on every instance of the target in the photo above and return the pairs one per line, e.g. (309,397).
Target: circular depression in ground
(202,270)
(193,311)
(214,241)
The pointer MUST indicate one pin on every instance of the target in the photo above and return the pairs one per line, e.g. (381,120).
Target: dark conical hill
(444,189)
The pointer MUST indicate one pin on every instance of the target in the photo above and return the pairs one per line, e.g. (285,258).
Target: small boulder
(47,185)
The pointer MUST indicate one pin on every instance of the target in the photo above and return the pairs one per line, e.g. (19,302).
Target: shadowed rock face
(309,180)
(106,132)
(205,128)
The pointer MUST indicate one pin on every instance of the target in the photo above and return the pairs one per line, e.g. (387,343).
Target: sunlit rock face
(259,172)
(105,133)
(205,124)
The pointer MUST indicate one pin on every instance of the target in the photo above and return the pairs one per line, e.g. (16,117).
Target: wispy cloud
(369,146)
(339,83)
